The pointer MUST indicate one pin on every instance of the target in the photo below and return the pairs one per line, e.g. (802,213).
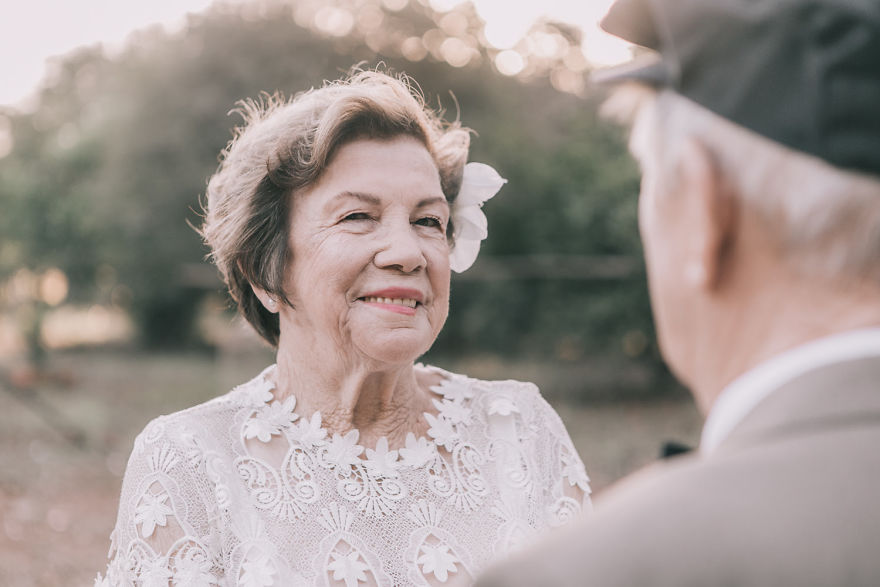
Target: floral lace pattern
(242,490)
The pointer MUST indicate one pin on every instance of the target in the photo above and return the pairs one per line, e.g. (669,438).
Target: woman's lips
(395,299)
(399,305)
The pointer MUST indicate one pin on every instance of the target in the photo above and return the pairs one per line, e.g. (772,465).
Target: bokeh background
(109,315)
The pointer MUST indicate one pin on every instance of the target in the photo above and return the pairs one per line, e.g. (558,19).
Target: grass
(58,501)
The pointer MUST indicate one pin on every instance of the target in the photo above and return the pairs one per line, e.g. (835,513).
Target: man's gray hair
(825,220)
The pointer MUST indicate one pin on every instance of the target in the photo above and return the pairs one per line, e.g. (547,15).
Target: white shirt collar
(746,391)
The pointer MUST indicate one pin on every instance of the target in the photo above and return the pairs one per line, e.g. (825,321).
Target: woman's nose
(400,249)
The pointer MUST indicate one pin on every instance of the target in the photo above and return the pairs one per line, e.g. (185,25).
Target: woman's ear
(269,301)
(712,215)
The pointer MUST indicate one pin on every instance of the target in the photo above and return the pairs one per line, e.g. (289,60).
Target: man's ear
(269,301)
(711,215)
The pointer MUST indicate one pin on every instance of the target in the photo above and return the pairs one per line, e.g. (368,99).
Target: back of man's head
(757,127)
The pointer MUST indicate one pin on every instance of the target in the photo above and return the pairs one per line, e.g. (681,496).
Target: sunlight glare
(504,27)
(444,5)
(509,62)
(456,52)
(34,31)
(548,45)
(454,24)
(369,19)
(28,38)
(6,139)
(334,21)
(395,5)
(414,49)
(602,49)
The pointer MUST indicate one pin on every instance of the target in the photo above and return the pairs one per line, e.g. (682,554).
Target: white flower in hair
(479,183)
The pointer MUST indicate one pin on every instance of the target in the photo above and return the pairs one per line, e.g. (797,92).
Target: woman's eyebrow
(348,195)
(375,200)
(432,200)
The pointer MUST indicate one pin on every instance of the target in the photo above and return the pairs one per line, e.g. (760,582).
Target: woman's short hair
(825,220)
(285,145)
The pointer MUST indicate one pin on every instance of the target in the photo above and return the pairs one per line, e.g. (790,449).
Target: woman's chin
(394,347)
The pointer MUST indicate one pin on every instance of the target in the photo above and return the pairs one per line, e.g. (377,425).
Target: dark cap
(805,73)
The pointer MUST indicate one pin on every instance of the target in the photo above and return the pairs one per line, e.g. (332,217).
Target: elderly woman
(334,219)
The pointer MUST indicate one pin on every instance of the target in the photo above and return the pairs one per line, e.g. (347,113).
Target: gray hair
(825,220)
(284,146)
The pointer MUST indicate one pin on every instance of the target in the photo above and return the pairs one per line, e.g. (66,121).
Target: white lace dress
(242,491)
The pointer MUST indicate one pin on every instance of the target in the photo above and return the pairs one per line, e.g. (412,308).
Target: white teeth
(409,303)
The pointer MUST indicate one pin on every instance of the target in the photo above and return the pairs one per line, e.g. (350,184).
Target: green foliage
(109,168)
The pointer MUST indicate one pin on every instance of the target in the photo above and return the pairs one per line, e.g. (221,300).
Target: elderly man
(757,127)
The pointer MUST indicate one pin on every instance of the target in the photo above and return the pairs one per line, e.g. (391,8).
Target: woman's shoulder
(515,411)
(217,413)
(494,396)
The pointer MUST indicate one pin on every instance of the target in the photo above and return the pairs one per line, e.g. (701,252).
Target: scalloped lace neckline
(272,416)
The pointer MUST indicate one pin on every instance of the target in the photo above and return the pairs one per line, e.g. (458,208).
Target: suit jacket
(791,497)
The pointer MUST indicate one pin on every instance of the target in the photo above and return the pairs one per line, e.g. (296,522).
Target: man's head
(748,219)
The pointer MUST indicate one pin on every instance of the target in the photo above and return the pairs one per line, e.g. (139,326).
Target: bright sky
(34,30)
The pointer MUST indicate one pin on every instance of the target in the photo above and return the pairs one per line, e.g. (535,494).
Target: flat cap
(805,73)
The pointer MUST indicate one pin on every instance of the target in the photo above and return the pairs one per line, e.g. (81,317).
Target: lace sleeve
(162,530)
(564,463)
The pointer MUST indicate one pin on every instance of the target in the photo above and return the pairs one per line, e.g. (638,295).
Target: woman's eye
(430,221)
(357,216)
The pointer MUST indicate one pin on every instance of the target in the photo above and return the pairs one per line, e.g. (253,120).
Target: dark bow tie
(673,449)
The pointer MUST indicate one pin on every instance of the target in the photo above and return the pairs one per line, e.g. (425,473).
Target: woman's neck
(376,400)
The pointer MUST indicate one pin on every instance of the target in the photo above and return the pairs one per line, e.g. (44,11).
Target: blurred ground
(58,500)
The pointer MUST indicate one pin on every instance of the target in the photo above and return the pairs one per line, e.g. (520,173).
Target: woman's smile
(396,299)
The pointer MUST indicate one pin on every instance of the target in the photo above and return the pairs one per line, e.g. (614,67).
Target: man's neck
(773,320)
(746,392)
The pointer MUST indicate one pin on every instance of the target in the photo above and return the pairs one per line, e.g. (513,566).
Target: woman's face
(370,269)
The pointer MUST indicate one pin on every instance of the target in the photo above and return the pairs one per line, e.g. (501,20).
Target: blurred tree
(108,168)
